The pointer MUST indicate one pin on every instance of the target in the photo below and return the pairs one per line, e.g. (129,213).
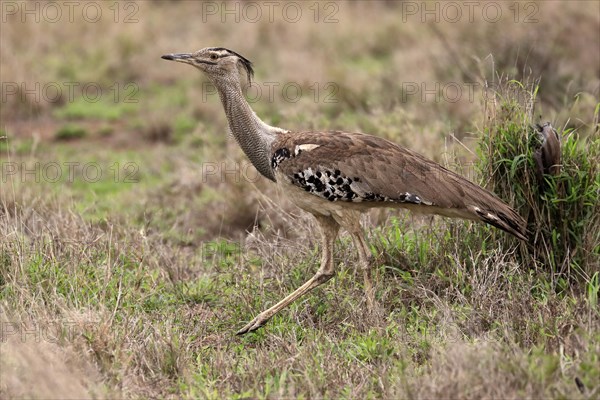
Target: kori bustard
(338,175)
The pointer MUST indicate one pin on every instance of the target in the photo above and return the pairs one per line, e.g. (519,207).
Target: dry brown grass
(36,363)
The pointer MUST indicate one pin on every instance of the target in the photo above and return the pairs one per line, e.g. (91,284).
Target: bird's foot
(369,291)
(371,302)
(253,325)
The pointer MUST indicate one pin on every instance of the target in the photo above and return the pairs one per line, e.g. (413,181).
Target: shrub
(563,211)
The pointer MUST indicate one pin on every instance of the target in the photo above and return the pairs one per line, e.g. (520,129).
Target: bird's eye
(213,56)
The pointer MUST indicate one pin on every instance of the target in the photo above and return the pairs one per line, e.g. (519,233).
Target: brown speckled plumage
(391,171)
(338,175)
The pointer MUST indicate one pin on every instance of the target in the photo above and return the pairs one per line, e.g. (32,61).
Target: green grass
(129,274)
(102,109)
(70,132)
(563,212)
(325,344)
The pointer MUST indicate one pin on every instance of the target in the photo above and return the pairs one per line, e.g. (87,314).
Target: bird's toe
(253,325)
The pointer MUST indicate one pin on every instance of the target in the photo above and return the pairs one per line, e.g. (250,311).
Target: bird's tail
(500,215)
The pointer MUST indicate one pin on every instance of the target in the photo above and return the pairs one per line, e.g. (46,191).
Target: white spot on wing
(485,214)
(305,147)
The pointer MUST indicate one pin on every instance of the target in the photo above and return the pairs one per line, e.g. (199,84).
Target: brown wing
(353,167)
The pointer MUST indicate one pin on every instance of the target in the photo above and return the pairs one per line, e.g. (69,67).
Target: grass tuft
(70,132)
(563,211)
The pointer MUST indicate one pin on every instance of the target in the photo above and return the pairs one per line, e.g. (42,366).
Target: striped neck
(252,134)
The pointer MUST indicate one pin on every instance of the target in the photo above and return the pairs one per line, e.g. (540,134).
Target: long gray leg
(350,220)
(364,258)
(329,230)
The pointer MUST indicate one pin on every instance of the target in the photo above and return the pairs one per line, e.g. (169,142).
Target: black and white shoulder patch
(284,153)
(278,156)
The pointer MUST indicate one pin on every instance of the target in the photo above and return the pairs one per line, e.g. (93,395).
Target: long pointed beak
(181,57)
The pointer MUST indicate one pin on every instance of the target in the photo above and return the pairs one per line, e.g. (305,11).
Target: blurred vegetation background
(124,202)
(413,77)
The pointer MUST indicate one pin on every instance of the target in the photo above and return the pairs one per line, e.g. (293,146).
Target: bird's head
(217,62)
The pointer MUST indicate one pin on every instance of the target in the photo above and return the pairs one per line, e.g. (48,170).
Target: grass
(70,132)
(563,211)
(326,345)
(136,289)
(107,110)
